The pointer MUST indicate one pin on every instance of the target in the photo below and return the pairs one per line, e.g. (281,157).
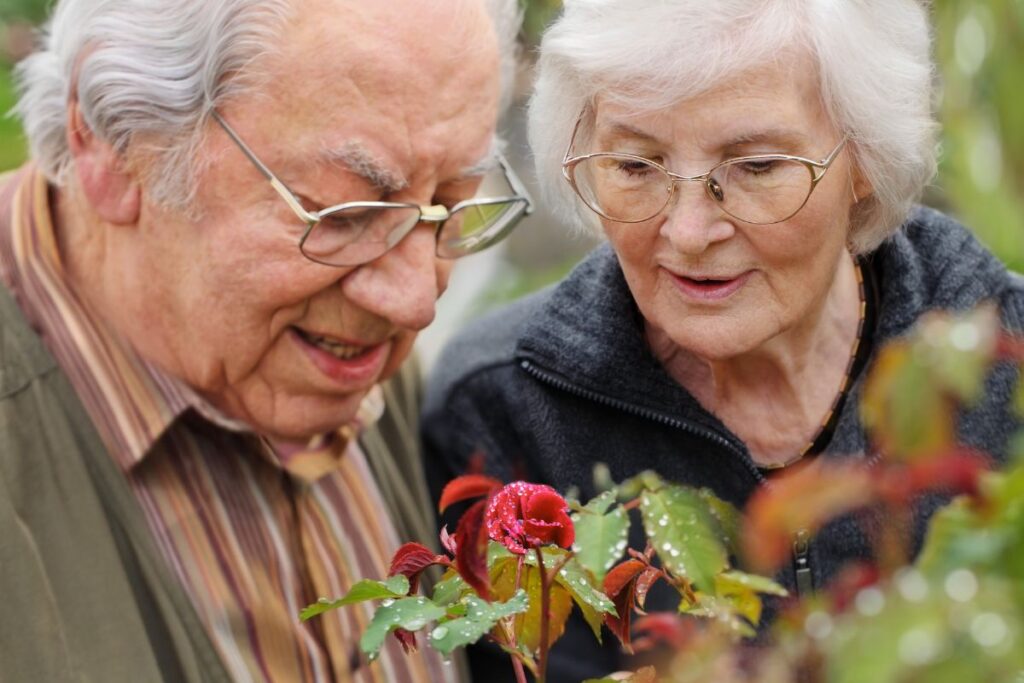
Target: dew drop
(439,633)
(961,585)
(387,603)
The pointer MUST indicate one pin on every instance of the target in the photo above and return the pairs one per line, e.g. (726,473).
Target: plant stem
(545,617)
(517,663)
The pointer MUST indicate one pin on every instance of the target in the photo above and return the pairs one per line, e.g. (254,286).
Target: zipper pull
(802,564)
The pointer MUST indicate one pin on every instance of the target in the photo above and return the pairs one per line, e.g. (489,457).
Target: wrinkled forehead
(404,78)
(783,93)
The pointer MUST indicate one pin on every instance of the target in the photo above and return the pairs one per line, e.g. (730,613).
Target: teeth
(340,351)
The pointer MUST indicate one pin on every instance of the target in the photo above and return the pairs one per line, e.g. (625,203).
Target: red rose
(524,516)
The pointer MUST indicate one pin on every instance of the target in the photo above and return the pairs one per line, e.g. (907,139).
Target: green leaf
(578,581)
(753,582)
(412,614)
(685,534)
(481,617)
(601,536)
(395,587)
(450,588)
(527,625)
(727,516)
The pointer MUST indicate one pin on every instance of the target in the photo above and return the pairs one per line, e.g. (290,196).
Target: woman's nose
(694,220)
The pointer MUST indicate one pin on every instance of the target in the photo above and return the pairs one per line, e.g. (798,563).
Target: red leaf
(407,639)
(447,540)
(466,487)
(471,549)
(644,583)
(620,586)
(411,559)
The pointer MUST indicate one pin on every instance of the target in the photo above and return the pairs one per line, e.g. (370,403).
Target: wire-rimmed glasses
(760,189)
(354,233)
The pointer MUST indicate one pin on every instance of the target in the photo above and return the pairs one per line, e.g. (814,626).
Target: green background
(980,50)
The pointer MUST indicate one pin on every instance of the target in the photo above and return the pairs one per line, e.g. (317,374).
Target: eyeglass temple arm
(517,185)
(279,187)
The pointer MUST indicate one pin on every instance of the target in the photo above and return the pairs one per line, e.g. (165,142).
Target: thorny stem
(545,617)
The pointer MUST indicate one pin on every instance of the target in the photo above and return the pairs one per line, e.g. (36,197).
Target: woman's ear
(108,183)
(859,183)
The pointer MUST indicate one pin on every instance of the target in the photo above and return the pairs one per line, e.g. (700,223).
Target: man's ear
(106,180)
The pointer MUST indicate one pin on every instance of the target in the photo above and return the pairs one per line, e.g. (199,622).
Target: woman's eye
(634,168)
(759,166)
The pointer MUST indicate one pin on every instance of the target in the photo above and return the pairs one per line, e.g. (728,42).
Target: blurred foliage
(980,49)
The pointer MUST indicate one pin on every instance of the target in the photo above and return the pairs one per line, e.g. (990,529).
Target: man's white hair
(149,72)
(874,70)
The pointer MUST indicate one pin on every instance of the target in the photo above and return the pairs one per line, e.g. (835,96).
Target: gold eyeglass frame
(437,213)
(816,169)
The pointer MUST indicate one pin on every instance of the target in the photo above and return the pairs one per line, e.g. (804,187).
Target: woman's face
(705,281)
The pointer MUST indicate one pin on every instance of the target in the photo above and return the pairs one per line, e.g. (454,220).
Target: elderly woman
(753,167)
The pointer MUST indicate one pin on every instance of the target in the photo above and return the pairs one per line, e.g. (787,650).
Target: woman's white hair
(874,69)
(151,71)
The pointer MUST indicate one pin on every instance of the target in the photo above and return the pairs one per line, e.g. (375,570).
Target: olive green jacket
(84,593)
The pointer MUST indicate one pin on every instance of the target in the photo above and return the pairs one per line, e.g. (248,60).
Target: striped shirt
(251,536)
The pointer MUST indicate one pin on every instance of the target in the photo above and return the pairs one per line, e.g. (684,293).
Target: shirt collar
(131,401)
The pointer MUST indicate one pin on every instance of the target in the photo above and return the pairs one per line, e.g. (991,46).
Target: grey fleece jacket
(552,384)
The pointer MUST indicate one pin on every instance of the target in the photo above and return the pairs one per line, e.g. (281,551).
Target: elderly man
(237,217)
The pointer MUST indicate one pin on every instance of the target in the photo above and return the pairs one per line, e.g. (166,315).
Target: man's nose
(694,220)
(404,283)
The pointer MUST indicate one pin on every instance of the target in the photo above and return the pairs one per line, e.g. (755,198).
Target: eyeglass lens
(764,190)
(354,235)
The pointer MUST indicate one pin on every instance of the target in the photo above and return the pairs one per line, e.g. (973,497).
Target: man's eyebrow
(359,160)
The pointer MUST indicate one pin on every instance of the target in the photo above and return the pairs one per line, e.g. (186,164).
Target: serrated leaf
(601,536)
(450,588)
(728,518)
(684,534)
(527,625)
(395,587)
(410,614)
(481,617)
(578,581)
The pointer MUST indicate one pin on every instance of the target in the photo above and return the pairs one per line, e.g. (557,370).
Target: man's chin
(304,420)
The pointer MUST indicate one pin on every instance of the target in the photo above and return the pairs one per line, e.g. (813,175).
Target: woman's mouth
(344,362)
(710,288)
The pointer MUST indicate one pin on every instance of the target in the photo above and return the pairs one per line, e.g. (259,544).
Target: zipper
(802,538)
(802,564)
(559,383)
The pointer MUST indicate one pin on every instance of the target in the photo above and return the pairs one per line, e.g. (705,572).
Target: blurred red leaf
(411,559)
(851,580)
(802,500)
(662,628)
(465,487)
(471,549)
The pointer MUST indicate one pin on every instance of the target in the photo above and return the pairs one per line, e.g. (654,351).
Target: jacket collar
(589,331)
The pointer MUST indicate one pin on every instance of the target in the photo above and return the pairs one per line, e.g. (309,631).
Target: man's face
(367,101)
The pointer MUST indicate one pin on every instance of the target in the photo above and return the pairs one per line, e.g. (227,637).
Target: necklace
(844,387)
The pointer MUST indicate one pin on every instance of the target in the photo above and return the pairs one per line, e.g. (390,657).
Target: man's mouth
(339,350)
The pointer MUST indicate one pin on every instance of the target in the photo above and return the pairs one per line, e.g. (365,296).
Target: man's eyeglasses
(761,189)
(354,233)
